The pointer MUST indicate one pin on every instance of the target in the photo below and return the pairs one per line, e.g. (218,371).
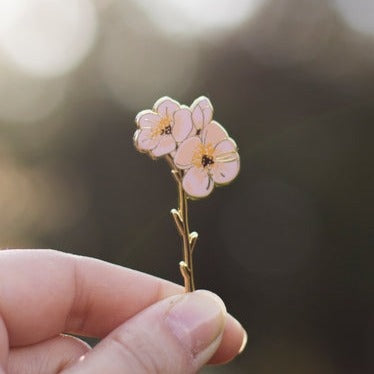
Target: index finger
(45,292)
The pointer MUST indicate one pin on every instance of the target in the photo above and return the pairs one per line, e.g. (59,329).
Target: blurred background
(289,245)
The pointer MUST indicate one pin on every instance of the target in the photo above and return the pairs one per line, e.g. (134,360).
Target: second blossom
(161,129)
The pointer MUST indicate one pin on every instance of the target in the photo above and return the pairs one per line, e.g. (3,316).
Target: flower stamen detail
(203,155)
(166,130)
(206,160)
(162,128)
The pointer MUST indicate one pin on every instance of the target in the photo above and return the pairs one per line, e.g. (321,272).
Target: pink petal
(185,151)
(166,145)
(144,141)
(225,172)
(226,150)
(197,182)
(227,165)
(166,106)
(202,112)
(182,124)
(146,119)
(214,133)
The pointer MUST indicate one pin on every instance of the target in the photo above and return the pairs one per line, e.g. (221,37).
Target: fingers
(44,293)
(233,342)
(50,356)
(176,335)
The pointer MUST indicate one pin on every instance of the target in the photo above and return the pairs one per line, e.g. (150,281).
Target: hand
(147,325)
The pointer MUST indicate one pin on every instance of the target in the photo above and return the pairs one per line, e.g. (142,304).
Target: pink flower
(209,159)
(161,129)
(202,113)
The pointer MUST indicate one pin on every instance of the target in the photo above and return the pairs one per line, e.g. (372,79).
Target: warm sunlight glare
(46,38)
(195,16)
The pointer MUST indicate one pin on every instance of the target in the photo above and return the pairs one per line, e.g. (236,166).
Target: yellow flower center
(162,128)
(203,155)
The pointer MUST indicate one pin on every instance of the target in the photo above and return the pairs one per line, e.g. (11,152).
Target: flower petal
(185,151)
(166,145)
(202,112)
(144,141)
(197,183)
(182,124)
(166,106)
(146,119)
(214,133)
(226,151)
(225,172)
(227,164)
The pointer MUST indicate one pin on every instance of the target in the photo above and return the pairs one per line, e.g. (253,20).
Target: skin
(46,294)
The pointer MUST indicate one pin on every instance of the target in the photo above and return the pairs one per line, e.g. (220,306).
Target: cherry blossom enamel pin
(200,153)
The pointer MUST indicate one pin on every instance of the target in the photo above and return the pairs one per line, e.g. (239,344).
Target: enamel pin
(200,153)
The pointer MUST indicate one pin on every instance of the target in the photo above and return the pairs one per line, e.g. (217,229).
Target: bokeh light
(195,17)
(359,14)
(46,38)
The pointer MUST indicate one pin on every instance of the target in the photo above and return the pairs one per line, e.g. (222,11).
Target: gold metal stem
(187,264)
(189,239)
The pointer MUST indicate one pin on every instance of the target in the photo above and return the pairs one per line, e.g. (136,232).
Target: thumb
(176,335)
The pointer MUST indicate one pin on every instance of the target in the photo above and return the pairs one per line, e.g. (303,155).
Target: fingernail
(197,319)
(244,342)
